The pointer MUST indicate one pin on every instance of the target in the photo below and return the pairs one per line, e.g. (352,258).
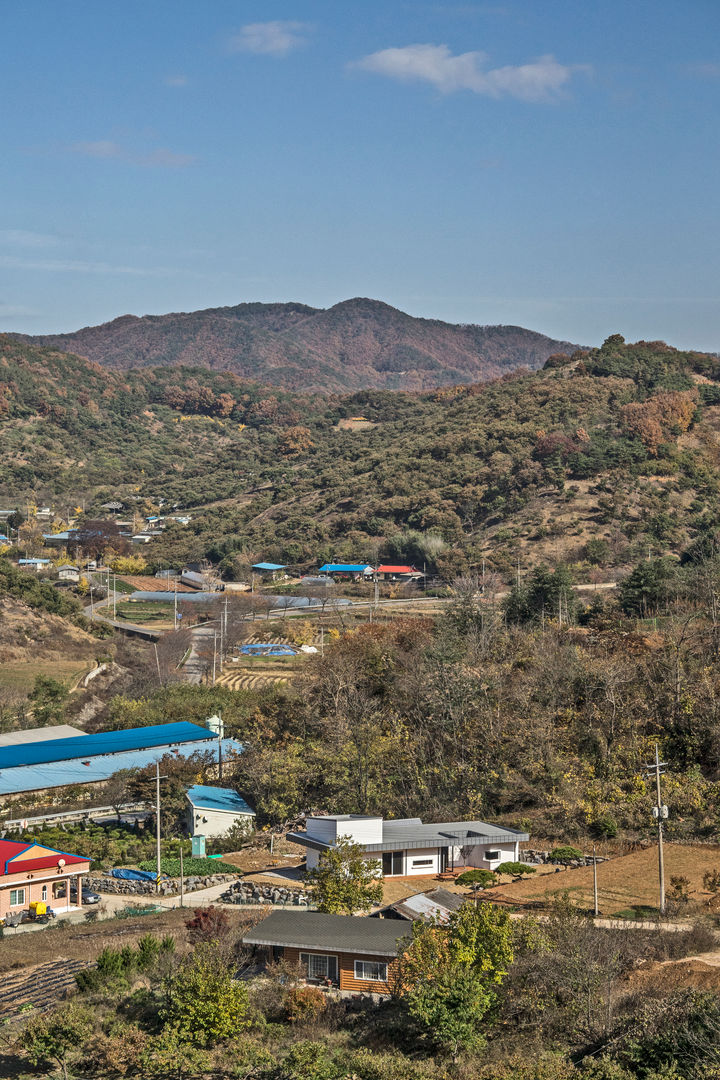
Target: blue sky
(550,164)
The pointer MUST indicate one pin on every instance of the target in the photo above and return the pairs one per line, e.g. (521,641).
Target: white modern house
(213,811)
(407,847)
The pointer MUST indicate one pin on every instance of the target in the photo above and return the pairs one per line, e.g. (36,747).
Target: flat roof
(269,566)
(103,742)
(409,833)
(39,734)
(203,797)
(314,930)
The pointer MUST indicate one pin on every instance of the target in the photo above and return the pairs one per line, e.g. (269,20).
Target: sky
(551,164)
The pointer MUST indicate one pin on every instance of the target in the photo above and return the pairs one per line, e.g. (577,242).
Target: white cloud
(276,38)
(161,157)
(540,80)
(175,80)
(24,238)
(82,266)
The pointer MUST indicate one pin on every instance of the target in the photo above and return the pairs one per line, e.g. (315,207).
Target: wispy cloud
(108,150)
(276,38)
(83,266)
(540,80)
(25,238)
(705,70)
(175,80)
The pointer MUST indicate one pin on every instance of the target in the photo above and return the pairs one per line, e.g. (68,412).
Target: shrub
(514,868)
(481,877)
(565,852)
(304,1004)
(604,827)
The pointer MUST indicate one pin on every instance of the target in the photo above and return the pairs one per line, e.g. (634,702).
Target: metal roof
(202,797)
(92,770)
(409,834)
(329,933)
(344,568)
(435,904)
(269,566)
(39,734)
(103,742)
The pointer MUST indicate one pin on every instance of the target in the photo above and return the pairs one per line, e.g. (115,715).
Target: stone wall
(242,892)
(540,858)
(168,886)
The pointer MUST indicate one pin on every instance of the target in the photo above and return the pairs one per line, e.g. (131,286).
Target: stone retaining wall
(242,892)
(540,858)
(168,886)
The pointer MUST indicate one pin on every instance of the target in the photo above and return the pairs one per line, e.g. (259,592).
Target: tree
(344,881)
(449,974)
(48,697)
(171,1054)
(56,1036)
(115,789)
(204,1003)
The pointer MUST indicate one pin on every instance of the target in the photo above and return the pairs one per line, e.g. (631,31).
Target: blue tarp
(133,875)
(267,650)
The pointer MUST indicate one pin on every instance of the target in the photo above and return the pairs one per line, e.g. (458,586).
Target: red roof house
(33,871)
(397,571)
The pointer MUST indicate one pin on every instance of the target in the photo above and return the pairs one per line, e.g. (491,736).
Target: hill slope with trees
(599,456)
(355,344)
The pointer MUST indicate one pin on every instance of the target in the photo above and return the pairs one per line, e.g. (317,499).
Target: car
(88,896)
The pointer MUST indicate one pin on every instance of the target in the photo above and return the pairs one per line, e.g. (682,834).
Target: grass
(140,611)
(626,883)
(19,676)
(640,912)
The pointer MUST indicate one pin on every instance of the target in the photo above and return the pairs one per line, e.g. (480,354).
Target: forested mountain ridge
(618,446)
(355,344)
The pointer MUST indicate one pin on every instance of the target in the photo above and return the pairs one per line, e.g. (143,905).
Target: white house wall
(216,822)
(477,856)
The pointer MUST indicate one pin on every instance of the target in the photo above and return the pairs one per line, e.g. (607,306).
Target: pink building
(34,872)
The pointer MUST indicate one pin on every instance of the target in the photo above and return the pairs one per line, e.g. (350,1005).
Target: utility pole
(214,653)
(175,608)
(660,813)
(182,878)
(157,823)
(157,661)
(114,596)
(595,888)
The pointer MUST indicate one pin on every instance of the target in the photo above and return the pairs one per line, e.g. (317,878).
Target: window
(320,965)
(423,862)
(17,897)
(44,893)
(370,971)
(493,856)
(392,863)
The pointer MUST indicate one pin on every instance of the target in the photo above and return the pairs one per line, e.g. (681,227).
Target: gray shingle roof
(409,833)
(329,933)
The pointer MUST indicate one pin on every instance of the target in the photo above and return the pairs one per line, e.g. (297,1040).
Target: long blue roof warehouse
(93,758)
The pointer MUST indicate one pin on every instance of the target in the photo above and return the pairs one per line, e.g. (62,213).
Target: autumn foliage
(661,418)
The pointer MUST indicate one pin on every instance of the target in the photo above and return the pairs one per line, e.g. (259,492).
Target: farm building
(90,759)
(435,905)
(270,570)
(33,872)
(398,573)
(68,573)
(213,811)
(407,847)
(33,564)
(355,954)
(347,570)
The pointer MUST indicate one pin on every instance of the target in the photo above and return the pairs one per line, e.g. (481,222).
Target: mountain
(620,446)
(356,344)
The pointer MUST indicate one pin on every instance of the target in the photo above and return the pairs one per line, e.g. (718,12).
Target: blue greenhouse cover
(269,649)
(103,742)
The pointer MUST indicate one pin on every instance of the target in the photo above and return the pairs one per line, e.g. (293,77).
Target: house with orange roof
(34,872)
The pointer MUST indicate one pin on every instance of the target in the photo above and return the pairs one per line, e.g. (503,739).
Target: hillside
(355,344)
(620,447)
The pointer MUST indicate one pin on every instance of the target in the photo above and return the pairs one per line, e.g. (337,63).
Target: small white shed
(213,811)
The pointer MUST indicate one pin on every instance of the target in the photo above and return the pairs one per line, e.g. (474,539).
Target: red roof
(396,570)
(11,864)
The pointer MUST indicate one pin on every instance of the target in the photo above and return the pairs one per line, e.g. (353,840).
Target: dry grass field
(17,677)
(624,882)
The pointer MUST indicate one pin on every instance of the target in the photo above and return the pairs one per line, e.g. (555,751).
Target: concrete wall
(215,822)
(365,830)
(478,856)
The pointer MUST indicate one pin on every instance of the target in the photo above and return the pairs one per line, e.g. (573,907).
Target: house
(269,570)
(33,872)
(68,573)
(5,539)
(397,573)
(348,570)
(33,564)
(407,847)
(213,811)
(433,905)
(60,539)
(354,954)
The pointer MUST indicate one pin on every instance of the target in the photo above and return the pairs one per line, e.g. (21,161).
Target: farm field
(158,615)
(624,882)
(18,676)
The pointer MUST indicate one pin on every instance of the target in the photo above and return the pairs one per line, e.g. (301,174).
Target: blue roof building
(87,759)
(268,567)
(214,810)
(346,568)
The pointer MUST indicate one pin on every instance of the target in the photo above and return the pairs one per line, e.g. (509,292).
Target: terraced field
(257,672)
(38,987)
